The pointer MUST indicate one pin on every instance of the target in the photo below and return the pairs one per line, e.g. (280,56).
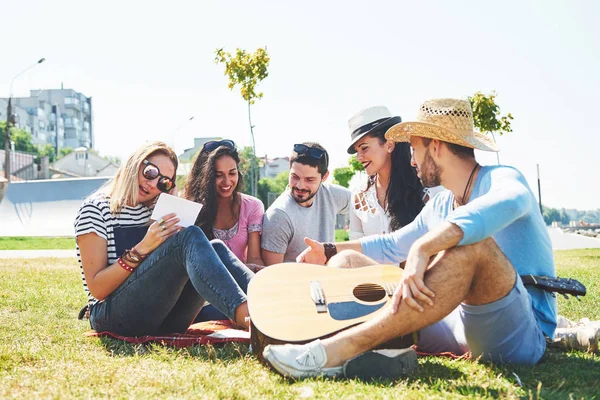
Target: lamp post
(9,119)
(539,189)
(177,130)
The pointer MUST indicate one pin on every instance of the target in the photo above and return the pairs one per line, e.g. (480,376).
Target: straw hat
(448,120)
(370,120)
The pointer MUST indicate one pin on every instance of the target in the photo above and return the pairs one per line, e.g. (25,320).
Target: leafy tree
(47,150)
(486,116)
(275,185)
(355,164)
(22,138)
(113,159)
(180,181)
(550,215)
(246,70)
(247,160)
(342,176)
(64,151)
(564,217)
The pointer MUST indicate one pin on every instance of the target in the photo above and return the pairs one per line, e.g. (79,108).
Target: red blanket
(215,332)
(210,332)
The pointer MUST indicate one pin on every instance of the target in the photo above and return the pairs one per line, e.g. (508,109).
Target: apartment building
(60,117)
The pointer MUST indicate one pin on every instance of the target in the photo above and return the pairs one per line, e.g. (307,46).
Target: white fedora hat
(369,120)
(448,120)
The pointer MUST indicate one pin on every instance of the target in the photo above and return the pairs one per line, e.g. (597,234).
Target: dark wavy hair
(201,186)
(404,194)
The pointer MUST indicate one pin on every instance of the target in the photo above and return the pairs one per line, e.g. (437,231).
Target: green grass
(36,243)
(43,354)
(341,235)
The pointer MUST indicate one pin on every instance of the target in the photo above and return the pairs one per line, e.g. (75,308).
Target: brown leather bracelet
(138,254)
(330,250)
(130,256)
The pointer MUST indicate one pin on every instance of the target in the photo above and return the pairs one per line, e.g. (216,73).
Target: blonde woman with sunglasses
(144,277)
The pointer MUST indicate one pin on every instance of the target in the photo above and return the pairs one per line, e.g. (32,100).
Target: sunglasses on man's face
(151,172)
(311,151)
(213,144)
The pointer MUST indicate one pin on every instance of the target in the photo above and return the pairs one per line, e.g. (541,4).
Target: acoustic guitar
(298,303)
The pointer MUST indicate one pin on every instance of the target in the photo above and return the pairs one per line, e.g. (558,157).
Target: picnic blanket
(209,332)
(216,332)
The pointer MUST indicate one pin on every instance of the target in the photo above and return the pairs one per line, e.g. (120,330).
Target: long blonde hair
(123,188)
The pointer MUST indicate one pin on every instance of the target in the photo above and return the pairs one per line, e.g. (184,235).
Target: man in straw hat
(464,253)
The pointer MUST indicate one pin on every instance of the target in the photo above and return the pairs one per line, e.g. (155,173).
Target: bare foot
(241,314)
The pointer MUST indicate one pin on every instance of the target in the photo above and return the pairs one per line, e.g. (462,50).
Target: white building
(188,154)
(60,117)
(271,167)
(83,163)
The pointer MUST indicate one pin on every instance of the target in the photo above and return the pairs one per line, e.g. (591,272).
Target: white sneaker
(584,336)
(300,361)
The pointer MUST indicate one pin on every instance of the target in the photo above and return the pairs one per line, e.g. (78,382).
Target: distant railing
(23,165)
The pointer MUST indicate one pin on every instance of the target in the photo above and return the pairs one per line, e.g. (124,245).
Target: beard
(430,171)
(309,195)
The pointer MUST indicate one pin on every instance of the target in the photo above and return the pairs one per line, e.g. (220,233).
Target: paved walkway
(37,253)
(560,241)
(568,241)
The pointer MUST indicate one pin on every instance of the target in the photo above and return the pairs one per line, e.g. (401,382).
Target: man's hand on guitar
(411,285)
(313,254)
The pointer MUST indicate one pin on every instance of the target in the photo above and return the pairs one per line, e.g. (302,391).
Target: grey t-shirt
(286,223)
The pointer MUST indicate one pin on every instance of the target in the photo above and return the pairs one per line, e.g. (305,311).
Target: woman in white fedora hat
(393,194)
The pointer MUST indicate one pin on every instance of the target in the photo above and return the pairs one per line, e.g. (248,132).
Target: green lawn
(36,243)
(341,235)
(43,354)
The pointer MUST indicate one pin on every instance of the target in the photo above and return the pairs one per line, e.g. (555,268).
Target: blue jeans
(166,291)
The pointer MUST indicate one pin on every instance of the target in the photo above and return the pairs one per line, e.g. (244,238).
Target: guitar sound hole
(369,292)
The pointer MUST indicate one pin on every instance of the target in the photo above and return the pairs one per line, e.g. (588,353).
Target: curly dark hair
(404,194)
(201,186)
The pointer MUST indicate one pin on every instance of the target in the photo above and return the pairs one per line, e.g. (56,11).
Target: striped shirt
(94,216)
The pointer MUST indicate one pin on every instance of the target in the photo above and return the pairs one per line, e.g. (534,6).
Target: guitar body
(298,303)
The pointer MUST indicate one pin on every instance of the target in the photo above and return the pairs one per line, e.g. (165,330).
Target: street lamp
(9,119)
(177,130)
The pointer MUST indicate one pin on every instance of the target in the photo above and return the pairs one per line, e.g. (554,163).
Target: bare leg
(476,274)
(350,259)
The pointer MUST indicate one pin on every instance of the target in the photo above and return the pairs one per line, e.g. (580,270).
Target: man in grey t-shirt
(306,209)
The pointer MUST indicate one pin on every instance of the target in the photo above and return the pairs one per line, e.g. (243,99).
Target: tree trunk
(252,166)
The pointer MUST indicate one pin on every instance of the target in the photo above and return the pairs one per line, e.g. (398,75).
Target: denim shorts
(505,331)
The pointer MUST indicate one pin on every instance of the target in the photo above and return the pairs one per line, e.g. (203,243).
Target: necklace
(382,202)
(469,182)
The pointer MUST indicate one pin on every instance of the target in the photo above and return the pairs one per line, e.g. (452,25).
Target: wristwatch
(330,250)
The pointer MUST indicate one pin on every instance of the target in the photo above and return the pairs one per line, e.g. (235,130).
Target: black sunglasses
(311,151)
(151,172)
(213,144)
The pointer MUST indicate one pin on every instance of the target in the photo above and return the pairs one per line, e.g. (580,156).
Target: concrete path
(560,241)
(568,241)
(45,207)
(37,253)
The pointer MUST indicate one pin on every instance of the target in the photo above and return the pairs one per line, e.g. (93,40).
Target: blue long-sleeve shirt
(501,206)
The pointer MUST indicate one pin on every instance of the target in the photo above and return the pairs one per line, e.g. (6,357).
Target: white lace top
(368,217)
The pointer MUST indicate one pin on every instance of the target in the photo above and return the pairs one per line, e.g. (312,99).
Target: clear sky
(149,67)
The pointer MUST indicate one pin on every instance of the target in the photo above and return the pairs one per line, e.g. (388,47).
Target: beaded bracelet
(124,265)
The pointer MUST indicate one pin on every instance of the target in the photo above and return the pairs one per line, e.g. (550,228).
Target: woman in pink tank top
(228,215)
